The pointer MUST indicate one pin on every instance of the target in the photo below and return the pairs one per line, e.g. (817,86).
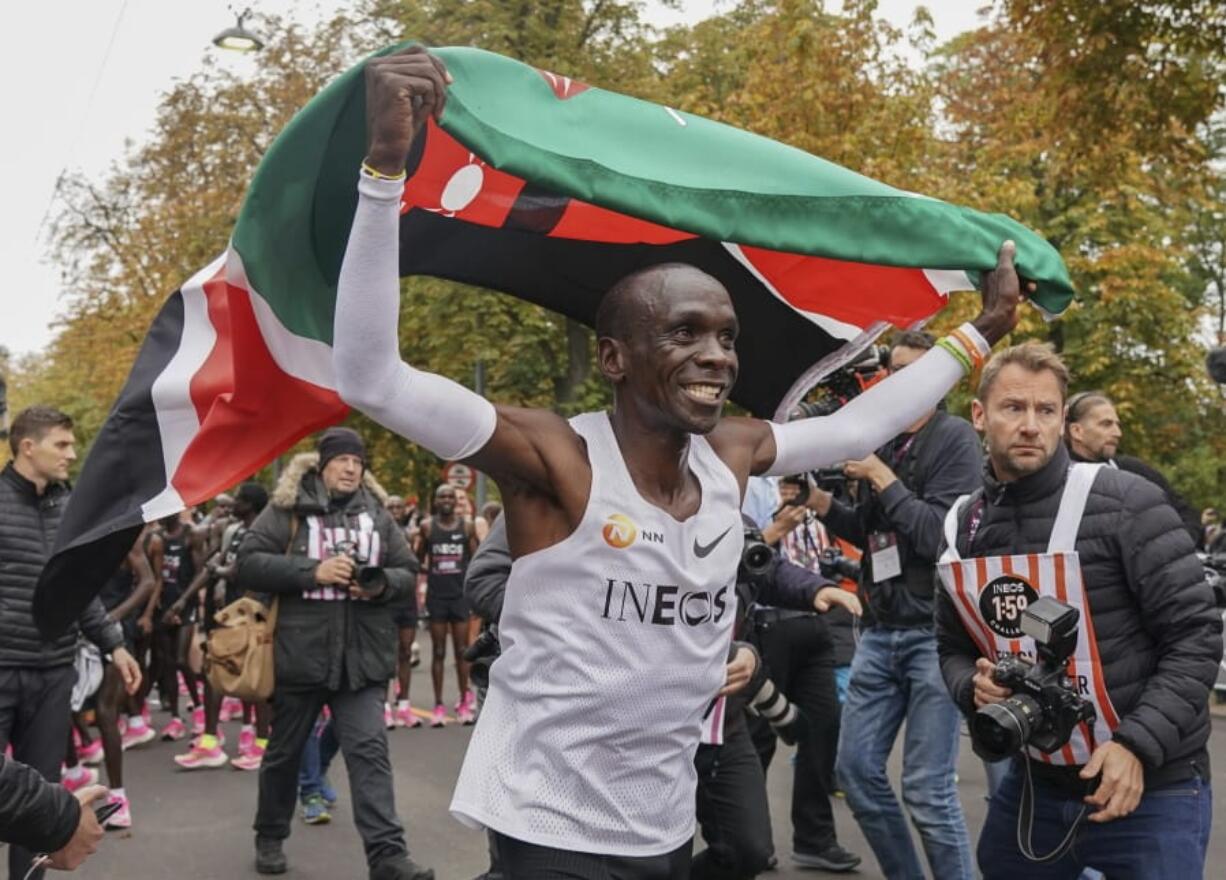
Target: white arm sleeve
(441,415)
(868,421)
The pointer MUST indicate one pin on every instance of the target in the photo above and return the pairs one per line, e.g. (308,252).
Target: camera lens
(757,559)
(999,730)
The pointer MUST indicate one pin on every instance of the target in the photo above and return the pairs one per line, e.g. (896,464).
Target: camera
(784,718)
(756,558)
(370,578)
(1044,708)
(836,567)
(484,650)
(351,549)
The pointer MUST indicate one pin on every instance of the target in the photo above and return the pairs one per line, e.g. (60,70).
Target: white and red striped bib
(991,593)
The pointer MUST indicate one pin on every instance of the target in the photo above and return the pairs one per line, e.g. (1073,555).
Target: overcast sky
(82,82)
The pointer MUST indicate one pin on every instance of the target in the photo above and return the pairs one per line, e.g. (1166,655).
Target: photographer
(1123,737)
(901,499)
(732,805)
(337,561)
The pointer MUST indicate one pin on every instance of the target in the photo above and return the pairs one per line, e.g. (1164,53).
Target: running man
(174,556)
(404,615)
(445,544)
(624,526)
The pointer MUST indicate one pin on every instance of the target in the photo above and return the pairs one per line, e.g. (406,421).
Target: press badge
(883,550)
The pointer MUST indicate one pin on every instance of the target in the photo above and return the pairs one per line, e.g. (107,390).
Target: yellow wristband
(371,171)
(956,350)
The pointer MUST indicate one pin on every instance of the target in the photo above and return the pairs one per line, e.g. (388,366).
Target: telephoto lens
(783,716)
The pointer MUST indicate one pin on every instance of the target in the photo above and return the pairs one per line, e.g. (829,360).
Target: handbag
(238,655)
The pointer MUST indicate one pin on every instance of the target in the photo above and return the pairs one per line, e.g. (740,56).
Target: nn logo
(662,604)
(620,532)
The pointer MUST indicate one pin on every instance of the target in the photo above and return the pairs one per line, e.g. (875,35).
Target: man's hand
(1122,785)
(784,522)
(872,469)
(85,839)
(336,571)
(739,671)
(145,624)
(1002,296)
(820,501)
(401,90)
(986,688)
(828,597)
(172,615)
(129,669)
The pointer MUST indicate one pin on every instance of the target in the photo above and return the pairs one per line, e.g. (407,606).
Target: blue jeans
(321,747)
(895,676)
(1166,836)
(842,676)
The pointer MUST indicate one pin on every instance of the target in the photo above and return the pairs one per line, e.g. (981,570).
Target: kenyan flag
(537,185)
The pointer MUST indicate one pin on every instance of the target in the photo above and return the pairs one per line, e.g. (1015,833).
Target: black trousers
(527,861)
(358,722)
(35,717)
(732,808)
(799,657)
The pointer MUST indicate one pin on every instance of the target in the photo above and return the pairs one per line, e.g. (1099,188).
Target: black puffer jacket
(1159,635)
(321,643)
(35,813)
(28,525)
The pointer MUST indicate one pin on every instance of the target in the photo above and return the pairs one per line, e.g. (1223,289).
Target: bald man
(624,526)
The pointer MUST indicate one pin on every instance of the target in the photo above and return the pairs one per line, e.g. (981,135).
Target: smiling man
(1148,639)
(624,526)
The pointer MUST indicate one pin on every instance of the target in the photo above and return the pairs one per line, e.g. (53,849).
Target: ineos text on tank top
(448,552)
(614,643)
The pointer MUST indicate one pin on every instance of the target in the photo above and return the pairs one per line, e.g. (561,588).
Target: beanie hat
(254,495)
(339,441)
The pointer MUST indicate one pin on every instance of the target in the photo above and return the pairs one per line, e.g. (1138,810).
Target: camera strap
(1025,825)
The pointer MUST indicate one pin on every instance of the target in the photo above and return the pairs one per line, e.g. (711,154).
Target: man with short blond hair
(1146,653)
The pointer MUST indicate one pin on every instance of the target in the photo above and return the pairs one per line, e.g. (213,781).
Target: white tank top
(614,643)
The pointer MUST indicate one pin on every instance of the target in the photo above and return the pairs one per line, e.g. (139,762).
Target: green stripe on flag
(701,177)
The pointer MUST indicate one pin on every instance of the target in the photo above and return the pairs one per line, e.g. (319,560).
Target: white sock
(138,720)
(402,704)
(119,793)
(77,772)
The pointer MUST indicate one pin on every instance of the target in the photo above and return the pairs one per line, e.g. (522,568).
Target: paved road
(197,825)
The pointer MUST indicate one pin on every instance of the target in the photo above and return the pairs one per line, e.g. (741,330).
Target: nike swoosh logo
(702,552)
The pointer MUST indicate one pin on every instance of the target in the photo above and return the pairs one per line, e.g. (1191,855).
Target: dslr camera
(1044,708)
(836,567)
(756,558)
(369,577)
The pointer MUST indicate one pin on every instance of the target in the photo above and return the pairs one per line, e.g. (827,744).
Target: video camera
(1044,708)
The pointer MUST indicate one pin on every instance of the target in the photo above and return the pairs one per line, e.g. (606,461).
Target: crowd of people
(669,592)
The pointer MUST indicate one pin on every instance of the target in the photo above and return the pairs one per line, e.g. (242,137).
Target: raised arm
(527,447)
(887,408)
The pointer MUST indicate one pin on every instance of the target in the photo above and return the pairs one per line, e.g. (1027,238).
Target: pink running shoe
(246,739)
(438,718)
(465,714)
(197,721)
(137,734)
(146,714)
(79,777)
(183,692)
(249,760)
(234,707)
(121,818)
(388,721)
(90,754)
(406,718)
(175,730)
(199,757)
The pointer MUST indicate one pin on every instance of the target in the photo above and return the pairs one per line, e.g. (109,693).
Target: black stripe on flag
(124,469)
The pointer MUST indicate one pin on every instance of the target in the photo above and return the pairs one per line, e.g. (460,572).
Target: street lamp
(238,38)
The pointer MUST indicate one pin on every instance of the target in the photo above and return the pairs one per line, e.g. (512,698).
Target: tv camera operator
(1078,634)
(901,498)
(732,805)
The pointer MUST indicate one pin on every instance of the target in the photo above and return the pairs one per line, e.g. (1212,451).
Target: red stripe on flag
(249,409)
(854,293)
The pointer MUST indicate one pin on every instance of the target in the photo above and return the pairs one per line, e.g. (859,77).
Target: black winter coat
(28,526)
(337,645)
(1159,635)
(35,813)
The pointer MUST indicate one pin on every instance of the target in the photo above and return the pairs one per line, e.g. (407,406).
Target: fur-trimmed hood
(285,495)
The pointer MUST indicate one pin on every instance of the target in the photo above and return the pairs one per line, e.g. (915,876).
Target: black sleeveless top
(178,567)
(448,551)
